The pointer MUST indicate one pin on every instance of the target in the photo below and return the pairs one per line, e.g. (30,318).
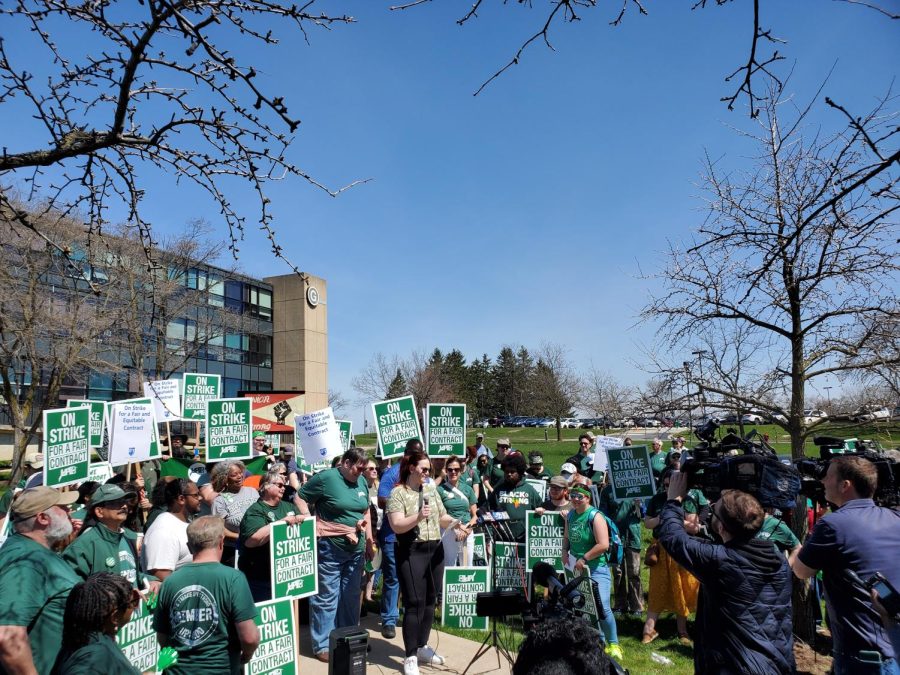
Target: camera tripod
(491,641)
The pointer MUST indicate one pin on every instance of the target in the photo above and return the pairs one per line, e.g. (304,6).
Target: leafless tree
(426,380)
(557,387)
(338,402)
(141,88)
(374,382)
(606,397)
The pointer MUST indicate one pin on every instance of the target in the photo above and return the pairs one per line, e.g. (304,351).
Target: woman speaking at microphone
(417,514)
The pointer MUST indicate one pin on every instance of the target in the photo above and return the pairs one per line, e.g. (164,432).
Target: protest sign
(346,429)
(479,550)
(137,640)
(445,430)
(294,558)
(67,450)
(132,432)
(461,587)
(543,539)
(227,429)
(198,389)
(509,566)
(274,411)
(589,612)
(277,651)
(99,472)
(630,472)
(539,485)
(318,436)
(396,422)
(166,397)
(98,418)
(601,445)
(274,442)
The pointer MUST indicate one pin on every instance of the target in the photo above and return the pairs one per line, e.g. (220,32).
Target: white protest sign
(132,432)
(166,397)
(318,435)
(601,445)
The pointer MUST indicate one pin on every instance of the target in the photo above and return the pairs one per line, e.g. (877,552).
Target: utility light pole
(700,353)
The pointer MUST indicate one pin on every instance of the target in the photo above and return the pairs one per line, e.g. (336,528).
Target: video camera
(740,464)
(813,470)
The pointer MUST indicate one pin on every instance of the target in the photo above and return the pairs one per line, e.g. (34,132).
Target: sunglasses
(117,504)
(577,497)
(452,470)
(425,470)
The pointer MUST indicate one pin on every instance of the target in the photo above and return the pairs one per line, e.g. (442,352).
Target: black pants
(420,568)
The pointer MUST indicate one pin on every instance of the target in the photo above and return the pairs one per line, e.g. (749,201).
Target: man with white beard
(34,581)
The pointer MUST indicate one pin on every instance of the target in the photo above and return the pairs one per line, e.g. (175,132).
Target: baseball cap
(110,493)
(503,441)
(479,435)
(33,501)
(535,458)
(559,481)
(204,479)
(568,468)
(35,460)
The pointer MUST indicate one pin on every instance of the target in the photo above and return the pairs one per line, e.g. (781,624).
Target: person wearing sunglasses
(586,540)
(256,530)
(461,503)
(417,514)
(108,546)
(584,458)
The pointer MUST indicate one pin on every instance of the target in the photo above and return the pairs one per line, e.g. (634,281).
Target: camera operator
(744,616)
(864,538)
(561,647)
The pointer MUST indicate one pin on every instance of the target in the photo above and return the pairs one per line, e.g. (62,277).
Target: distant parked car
(752,418)
(813,416)
(870,414)
(570,423)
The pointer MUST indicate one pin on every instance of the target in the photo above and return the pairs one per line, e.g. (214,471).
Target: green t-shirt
(778,532)
(87,660)
(581,535)
(34,585)
(457,505)
(99,549)
(198,608)
(515,502)
(691,504)
(658,463)
(337,501)
(470,476)
(625,514)
(254,562)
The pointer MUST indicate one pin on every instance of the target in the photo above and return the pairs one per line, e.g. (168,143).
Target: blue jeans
(390,588)
(336,605)
(849,665)
(601,577)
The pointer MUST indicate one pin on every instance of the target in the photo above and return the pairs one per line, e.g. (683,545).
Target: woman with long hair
(95,611)
(461,503)
(417,514)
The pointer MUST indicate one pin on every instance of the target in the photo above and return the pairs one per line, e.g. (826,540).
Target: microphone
(544,574)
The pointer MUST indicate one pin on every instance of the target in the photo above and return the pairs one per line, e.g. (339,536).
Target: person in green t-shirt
(340,497)
(777,531)
(256,530)
(627,515)
(34,581)
(657,458)
(460,501)
(205,610)
(514,496)
(586,539)
(95,611)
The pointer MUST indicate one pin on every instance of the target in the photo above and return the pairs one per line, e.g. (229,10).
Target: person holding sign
(95,611)
(514,495)
(586,539)
(461,503)
(255,532)
(417,514)
(340,496)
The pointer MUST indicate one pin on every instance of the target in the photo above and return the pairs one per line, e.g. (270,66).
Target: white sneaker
(411,666)
(428,655)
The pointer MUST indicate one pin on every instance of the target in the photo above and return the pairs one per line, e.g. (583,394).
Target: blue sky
(523,214)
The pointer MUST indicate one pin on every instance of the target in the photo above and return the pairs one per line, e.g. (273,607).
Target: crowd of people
(78,561)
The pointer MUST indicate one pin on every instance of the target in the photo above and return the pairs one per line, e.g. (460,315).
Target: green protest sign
(274,442)
(346,430)
(630,472)
(228,429)
(98,418)
(137,640)
(198,389)
(589,612)
(396,422)
(67,450)
(445,429)
(461,587)
(543,539)
(479,550)
(293,558)
(277,651)
(509,566)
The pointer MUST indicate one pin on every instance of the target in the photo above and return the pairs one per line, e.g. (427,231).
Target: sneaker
(615,651)
(411,666)
(427,655)
(389,631)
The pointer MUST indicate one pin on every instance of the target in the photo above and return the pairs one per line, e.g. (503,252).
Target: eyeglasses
(425,470)
(278,485)
(577,497)
(115,505)
(371,468)
(452,470)
(282,473)
(584,443)
(502,446)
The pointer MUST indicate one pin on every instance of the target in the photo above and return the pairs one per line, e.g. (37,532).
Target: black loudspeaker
(347,649)
(499,603)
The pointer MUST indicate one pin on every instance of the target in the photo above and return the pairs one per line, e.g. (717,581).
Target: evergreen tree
(398,387)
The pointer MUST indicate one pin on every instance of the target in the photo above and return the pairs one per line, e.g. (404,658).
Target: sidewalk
(387,655)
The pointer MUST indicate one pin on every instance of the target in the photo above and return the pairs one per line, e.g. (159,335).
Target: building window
(259,301)
(234,296)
